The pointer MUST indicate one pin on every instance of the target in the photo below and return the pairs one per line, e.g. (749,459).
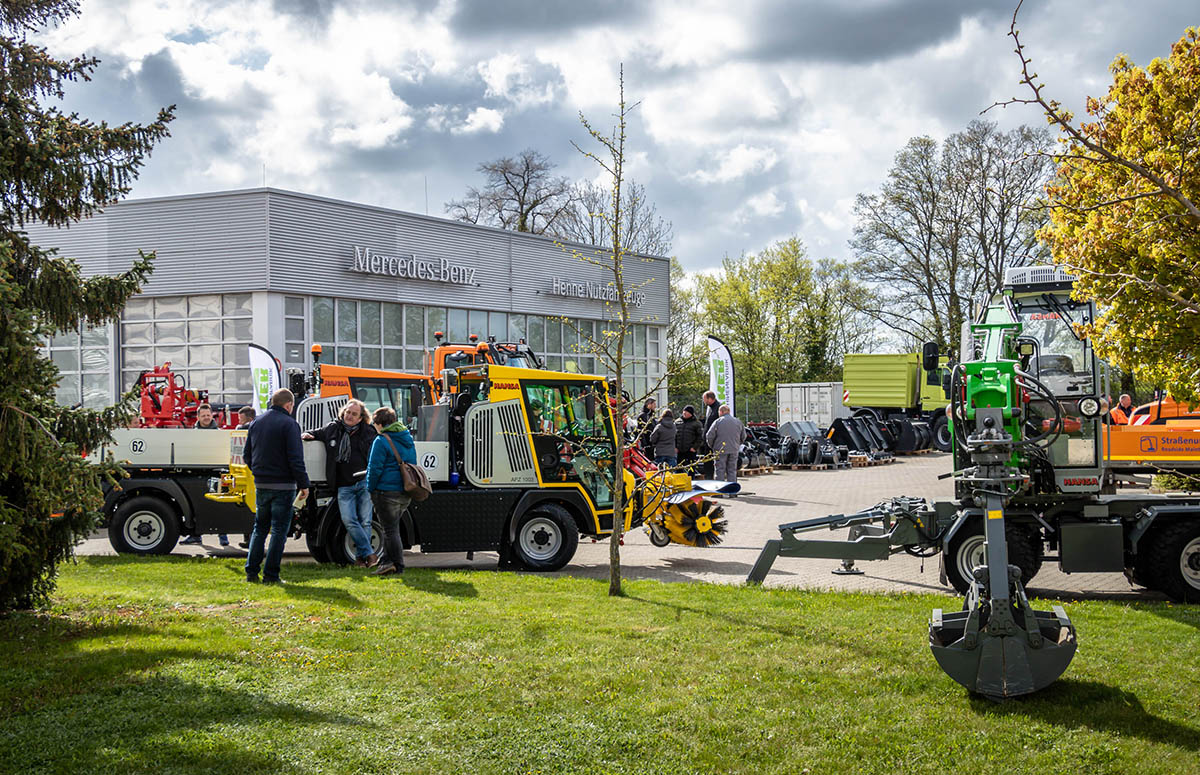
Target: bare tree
(519,194)
(610,349)
(646,232)
(946,224)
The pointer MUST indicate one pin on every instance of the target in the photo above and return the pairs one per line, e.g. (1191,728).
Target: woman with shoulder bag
(347,443)
(385,482)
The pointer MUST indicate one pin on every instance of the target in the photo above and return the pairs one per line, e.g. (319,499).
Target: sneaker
(360,563)
(252,580)
(244,544)
(385,570)
(224,539)
(192,540)
(372,561)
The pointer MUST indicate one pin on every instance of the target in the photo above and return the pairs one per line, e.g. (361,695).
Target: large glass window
(203,337)
(572,437)
(84,362)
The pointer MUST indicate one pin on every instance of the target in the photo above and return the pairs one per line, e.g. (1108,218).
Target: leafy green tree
(686,349)
(1124,215)
(54,168)
(784,317)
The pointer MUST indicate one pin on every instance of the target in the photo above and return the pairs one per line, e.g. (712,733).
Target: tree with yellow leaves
(1123,212)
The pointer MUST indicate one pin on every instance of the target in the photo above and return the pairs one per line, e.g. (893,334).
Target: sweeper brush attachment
(695,522)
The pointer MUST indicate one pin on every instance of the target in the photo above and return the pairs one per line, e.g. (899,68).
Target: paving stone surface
(768,500)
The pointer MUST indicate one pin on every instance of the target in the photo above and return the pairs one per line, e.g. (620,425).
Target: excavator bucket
(1026,653)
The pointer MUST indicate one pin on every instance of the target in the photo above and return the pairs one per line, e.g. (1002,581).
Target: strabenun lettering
(590,290)
(440,270)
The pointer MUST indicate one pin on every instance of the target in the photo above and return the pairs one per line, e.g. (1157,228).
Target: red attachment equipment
(167,403)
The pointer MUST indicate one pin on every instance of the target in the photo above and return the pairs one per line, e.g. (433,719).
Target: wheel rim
(351,549)
(1189,563)
(144,530)
(970,556)
(540,538)
(943,434)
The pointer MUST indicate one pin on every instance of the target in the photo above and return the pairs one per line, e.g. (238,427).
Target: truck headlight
(1089,407)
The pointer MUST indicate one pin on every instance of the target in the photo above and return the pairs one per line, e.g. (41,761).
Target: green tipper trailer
(894,387)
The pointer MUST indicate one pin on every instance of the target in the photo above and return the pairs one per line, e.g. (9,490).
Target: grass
(176,665)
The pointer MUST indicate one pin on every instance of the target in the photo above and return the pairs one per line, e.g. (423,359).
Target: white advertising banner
(264,373)
(720,372)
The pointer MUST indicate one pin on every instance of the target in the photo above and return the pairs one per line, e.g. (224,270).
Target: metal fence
(750,408)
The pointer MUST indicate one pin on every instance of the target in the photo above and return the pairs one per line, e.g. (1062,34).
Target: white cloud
(764,205)
(731,141)
(480,120)
(738,162)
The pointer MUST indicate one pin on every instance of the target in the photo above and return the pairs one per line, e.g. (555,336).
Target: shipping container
(819,402)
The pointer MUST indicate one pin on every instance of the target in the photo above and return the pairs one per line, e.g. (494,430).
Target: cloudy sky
(758,120)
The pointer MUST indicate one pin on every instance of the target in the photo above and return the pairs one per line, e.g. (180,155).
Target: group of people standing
(708,447)
(362,461)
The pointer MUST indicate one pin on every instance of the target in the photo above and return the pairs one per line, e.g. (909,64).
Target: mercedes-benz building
(370,285)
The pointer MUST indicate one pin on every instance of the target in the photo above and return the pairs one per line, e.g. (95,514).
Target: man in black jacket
(347,443)
(689,438)
(275,455)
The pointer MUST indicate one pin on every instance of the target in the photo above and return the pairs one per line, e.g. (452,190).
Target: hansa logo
(1080,481)
(1148,444)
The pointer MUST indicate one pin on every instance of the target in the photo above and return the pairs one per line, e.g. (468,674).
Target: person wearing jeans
(275,455)
(386,484)
(273,515)
(347,442)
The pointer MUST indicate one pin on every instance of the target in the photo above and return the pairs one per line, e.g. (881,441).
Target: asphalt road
(767,501)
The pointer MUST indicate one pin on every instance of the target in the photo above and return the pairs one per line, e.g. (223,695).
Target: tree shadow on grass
(157,723)
(1075,704)
(83,696)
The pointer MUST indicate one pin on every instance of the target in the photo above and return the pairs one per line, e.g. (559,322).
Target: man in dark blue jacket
(276,458)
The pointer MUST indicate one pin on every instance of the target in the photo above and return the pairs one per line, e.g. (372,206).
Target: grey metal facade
(298,256)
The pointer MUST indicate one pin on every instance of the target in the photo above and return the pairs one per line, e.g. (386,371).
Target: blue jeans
(354,504)
(670,460)
(273,514)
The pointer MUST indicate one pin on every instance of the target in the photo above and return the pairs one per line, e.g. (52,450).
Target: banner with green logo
(264,374)
(720,372)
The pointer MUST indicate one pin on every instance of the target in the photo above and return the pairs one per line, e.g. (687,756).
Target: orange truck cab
(405,392)
(450,356)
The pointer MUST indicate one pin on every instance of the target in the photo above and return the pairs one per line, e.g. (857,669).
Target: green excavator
(1033,481)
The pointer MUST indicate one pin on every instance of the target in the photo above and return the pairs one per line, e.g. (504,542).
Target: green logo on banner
(720,378)
(262,388)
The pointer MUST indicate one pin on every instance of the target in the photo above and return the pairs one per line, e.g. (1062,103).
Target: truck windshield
(1064,361)
(570,446)
(403,396)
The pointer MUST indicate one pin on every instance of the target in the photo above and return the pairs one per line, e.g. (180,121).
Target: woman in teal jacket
(386,484)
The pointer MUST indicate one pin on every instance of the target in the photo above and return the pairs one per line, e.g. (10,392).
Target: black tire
(320,553)
(966,550)
(1173,560)
(340,548)
(941,433)
(546,538)
(660,540)
(144,525)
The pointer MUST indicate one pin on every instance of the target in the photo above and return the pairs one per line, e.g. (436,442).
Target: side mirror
(589,405)
(930,356)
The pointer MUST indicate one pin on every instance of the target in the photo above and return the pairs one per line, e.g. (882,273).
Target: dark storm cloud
(538,17)
(864,31)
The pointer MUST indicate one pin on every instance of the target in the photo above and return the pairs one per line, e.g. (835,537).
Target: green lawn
(177,665)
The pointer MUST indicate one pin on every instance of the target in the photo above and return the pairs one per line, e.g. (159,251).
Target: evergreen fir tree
(55,168)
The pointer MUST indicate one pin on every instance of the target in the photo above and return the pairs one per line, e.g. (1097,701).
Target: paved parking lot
(753,518)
